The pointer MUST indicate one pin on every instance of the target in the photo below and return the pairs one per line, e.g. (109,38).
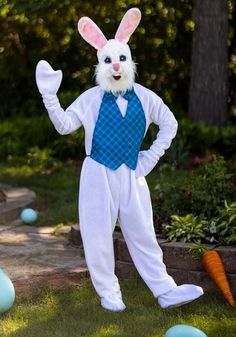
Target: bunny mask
(115,71)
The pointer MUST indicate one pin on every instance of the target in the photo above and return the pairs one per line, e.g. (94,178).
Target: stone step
(55,280)
(33,257)
(16,200)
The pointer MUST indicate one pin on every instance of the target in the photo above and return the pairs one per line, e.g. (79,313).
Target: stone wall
(177,259)
(179,263)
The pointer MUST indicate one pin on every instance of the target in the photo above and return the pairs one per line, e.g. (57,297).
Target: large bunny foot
(113,303)
(180,295)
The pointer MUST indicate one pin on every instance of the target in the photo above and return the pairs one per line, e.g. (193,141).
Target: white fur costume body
(105,194)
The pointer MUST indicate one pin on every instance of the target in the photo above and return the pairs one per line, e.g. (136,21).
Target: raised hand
(47,79)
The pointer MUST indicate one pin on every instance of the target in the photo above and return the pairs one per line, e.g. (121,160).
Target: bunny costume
(112,184)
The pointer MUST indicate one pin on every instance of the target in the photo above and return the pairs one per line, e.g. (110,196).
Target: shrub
(208,187)
(19,135)
(188,228)
(200,192)
(36,160)
(197,139)
(225,225)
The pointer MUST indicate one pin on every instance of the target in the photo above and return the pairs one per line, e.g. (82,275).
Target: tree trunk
(209,79)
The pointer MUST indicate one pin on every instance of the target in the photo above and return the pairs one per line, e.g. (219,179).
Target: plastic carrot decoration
(214,266)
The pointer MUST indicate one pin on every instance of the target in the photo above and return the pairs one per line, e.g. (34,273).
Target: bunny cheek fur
(110,80)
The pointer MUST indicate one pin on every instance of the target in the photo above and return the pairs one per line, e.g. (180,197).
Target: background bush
(31,30)
(200,192)
(21,134)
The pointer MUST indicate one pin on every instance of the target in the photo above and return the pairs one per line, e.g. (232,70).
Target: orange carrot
(214,266)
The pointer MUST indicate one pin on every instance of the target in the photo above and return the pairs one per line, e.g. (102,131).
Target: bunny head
(115,71)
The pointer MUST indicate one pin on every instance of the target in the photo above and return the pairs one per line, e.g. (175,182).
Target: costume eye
(122,58)
(107,60)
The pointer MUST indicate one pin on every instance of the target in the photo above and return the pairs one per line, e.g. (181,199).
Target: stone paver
(33,257)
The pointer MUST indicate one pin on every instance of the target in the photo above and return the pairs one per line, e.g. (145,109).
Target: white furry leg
(180,295)
(98,208)
(113,303)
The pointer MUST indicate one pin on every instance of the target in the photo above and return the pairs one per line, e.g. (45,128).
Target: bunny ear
(128,25)
(91,33)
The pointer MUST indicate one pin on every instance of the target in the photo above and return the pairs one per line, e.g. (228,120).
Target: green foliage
(166,198)
(19,135)
(197,250)
(227,141)
(225,225)
(197,137)
(199,192)
(188,228)
(41,159)
(33,30)
(208,186)
(36,160)
(179,152)
(196,140)
(56,188)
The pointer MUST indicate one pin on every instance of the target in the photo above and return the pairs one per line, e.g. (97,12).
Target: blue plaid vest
(117,139)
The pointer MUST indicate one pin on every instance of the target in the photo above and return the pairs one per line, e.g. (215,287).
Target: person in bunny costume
(116,115)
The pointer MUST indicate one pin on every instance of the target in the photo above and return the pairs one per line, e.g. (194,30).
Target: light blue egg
(28,215)
(182,330)
(7,292)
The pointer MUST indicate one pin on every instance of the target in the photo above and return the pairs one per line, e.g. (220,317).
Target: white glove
(47,79)
(48,82)
(146,163)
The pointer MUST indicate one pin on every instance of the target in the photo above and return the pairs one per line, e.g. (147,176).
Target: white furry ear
(128,25)
(91,33)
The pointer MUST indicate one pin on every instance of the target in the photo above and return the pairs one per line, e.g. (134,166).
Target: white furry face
(115,70)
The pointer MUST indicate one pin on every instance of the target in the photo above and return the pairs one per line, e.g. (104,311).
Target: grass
(75,312)
(57,190)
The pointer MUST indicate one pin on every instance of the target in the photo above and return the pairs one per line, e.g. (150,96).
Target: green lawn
(57,191)
(76,312)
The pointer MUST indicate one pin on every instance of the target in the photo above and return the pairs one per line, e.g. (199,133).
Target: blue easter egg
(182,330)
(7,292)
(28,215)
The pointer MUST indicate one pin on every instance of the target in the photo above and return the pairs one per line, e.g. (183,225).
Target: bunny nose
(116,66)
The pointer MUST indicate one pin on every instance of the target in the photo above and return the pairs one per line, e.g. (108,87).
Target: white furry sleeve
(65,122)
(164,118)
(160,115)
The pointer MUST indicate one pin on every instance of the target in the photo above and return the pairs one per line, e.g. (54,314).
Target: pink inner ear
(94,36)
(128,25)
(127,30)
(91,33)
